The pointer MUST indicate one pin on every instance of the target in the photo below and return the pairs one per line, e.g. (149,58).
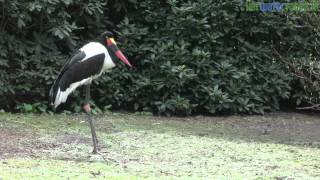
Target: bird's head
(108,38)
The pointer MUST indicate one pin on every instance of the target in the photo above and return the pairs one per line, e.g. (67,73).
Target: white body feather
(95,48)
(91,49)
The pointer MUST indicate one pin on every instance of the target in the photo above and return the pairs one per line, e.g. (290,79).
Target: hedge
(189,57)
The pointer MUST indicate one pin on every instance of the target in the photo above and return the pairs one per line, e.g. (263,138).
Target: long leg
(87,109)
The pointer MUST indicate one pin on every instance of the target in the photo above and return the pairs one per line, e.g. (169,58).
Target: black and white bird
(87,64)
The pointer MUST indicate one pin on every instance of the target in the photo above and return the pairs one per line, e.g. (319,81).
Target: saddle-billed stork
(87,64)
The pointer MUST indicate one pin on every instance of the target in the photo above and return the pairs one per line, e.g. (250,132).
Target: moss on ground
(275,146)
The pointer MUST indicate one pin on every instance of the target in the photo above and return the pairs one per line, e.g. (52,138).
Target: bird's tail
(53,92)
(59,95)
(61,89)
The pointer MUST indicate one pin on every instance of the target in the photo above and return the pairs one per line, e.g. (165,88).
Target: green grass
(146,147)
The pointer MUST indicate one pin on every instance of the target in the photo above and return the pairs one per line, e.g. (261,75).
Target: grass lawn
(274,146)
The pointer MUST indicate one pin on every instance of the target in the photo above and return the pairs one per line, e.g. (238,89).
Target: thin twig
(297,73)
(307,76)
(314,107)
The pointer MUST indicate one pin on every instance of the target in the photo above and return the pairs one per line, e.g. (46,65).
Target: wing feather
(77,57)
(74,74)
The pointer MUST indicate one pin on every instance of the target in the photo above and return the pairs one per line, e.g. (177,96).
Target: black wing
(77,57)
(82,70)
(75,71)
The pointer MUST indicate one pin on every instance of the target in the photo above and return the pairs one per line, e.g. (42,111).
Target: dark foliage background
(203,56)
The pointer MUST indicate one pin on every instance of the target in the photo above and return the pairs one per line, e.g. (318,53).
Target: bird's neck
(111,53)
(103,41)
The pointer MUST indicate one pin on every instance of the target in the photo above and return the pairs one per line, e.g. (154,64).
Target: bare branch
(314,107)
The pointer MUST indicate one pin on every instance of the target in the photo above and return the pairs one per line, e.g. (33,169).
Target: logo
(301,6)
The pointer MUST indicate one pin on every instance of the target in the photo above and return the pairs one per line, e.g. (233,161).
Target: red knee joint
(87,108)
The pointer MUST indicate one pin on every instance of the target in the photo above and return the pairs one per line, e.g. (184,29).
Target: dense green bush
(203,56)
(36,38)
(209,56)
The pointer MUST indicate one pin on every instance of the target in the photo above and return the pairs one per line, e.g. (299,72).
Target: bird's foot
(87,108)
(94,151)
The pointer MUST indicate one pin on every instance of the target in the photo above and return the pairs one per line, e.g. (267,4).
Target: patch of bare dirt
(281,127)
(74,139)
(23,143)
(15,142)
